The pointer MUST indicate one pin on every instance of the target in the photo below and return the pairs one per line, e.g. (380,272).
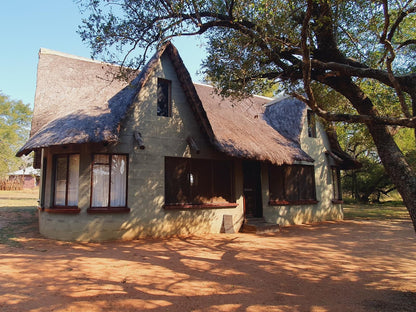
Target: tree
(345,46)
(15,119)
(371,180)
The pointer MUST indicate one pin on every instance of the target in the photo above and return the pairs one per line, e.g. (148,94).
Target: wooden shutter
(177,188)
(223,181)
(276,183)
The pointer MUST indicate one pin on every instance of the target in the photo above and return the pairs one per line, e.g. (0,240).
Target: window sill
(337,201)
(108,210)
(292,202)
(199,206)
(63,210)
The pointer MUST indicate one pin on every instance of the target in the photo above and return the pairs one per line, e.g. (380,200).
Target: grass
(17,215)
(24,198)
(22,221)
(392,210)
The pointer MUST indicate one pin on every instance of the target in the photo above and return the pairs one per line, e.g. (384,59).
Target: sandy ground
(342,266)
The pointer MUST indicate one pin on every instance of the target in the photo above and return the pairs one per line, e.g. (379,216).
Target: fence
(15,184)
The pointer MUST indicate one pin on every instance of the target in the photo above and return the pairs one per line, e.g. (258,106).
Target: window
(311,124)
(336,184)
(164,106)
(66,178)
(43,185)
(198,181)
(293,184)
(109,181)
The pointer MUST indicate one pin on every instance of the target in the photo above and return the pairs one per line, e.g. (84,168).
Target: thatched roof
(78,101)
(75,101)
(287,115)
(241,129)
(26,171)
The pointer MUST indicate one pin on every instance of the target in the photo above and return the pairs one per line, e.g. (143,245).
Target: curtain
(118,181)
(108,168)
(100,181)
(60,180)
(73,179)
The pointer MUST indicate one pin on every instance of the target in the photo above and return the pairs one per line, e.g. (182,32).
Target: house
(157,155)
(27,177)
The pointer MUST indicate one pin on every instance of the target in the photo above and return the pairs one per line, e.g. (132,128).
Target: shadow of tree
(18,222)
(333,266)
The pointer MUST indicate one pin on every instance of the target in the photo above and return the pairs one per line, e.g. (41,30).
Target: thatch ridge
(190,92)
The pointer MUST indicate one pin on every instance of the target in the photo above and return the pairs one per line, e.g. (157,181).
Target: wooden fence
(15,184)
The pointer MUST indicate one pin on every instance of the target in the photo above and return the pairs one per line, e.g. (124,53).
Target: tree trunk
(354,189)
(391,156)
(396,167)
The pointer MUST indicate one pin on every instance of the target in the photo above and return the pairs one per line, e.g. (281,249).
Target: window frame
(311,119)
(282,196)
(190,197)
(109,208)
(62,208)
(169,97)
(336,185)
(43,183)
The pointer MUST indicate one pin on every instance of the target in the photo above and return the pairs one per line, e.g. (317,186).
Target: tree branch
(407,42)
(364,119)
(230,9)
(390,59)
(361,72)
(306,62)
(399,19)
(386,21)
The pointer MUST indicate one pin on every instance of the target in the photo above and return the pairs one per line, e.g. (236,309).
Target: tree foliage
(15,119)
(251,40)
(363,51)
(371,181)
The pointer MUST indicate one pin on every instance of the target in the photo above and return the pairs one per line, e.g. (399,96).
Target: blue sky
(28,25)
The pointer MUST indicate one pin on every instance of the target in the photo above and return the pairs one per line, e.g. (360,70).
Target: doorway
(253,207)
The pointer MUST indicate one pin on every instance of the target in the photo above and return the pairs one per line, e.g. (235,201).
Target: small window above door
(164,101)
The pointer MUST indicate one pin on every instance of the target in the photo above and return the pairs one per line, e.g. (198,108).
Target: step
(259,226)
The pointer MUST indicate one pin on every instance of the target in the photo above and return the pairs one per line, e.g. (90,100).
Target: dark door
(252,189)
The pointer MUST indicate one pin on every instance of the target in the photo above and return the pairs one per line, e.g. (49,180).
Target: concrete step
(259,226)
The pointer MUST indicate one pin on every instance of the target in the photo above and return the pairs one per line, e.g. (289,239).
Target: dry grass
(21,199)
(17,215)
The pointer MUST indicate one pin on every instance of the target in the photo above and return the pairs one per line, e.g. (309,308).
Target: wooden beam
(192,144)
(37,158)
(139,139)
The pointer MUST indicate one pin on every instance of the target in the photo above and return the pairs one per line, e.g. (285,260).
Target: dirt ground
(332,266)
